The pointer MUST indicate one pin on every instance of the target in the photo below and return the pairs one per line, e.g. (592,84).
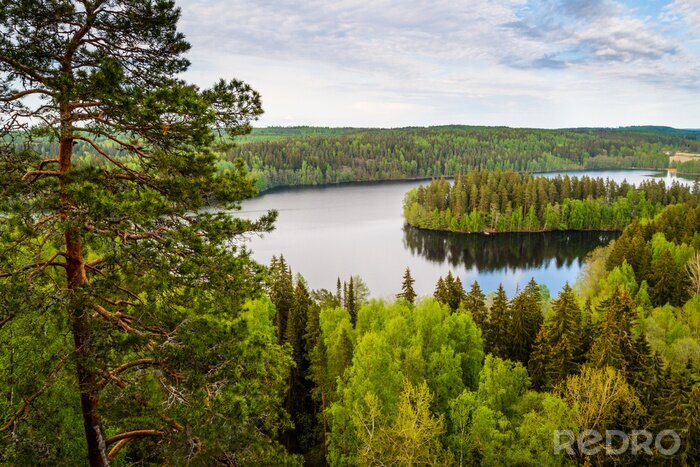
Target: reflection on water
(343,230)
(489,253)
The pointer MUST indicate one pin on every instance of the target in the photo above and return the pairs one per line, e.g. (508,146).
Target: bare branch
(134,434)
(41,173)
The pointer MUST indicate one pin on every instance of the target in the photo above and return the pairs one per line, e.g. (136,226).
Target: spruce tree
(678,408)
(526,321)
(298,402)
(613,345)
(667,281)
(475,303)
(500,327)
(407,291)
(282,294)
(351,301)
(558,343)
(440,293)
(143,292)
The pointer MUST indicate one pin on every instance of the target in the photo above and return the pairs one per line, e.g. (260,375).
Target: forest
(469,377)
(136,328)
(315,156)
(508,201)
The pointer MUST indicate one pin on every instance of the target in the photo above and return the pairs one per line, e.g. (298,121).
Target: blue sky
(548,63)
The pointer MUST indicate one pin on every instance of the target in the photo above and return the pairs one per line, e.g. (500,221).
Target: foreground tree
(106,242)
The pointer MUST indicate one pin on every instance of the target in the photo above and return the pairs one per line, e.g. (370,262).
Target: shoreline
(279,188)
(489,232)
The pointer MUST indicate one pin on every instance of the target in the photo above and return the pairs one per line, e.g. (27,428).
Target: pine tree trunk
(76,278)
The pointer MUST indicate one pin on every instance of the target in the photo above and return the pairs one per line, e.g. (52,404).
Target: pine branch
(24,93)
(23,410)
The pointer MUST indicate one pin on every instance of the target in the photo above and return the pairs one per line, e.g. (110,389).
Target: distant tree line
(507,201)
(316,156)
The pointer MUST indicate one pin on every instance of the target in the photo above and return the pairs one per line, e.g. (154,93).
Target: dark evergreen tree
(407,291)
(558,344)
(526,316)
(678,408)
(298,401)
(282,294)
(475,303)
(613,345)
(454,291)
(667,281)
(500,325)
(351,301)
(441,291)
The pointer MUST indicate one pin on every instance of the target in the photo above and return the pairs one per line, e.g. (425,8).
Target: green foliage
(137,310)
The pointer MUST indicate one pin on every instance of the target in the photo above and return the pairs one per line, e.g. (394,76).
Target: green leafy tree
(144,294)
(411,438)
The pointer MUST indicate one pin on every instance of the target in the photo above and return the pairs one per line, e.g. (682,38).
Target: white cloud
(390,62)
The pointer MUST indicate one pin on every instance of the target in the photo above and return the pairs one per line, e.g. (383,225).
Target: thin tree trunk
(76,278)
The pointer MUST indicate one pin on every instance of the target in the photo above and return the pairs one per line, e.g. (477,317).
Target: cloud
(687,11)
(392,62)
(588,32)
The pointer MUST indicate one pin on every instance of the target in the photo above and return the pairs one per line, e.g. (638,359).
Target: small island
(493,201)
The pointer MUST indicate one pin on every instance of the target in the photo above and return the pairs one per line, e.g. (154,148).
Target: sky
(393,63)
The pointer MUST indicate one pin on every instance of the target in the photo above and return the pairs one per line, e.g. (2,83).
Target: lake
(358,229)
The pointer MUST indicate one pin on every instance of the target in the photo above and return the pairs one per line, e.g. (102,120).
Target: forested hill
(311,155)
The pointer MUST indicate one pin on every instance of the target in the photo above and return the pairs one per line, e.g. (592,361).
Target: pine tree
(141,283)
(407,291)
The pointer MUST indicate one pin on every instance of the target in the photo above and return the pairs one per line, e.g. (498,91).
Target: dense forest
(476,378)
(688,167)
(136,330)
(507,201)
(314,156)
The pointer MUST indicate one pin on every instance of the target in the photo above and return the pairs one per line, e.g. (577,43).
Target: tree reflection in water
(504,250)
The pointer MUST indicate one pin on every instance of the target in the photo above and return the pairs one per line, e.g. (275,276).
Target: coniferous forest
(135,329)
(513,202)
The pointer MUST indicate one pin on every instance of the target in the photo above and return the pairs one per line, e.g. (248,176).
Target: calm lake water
(358,229)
